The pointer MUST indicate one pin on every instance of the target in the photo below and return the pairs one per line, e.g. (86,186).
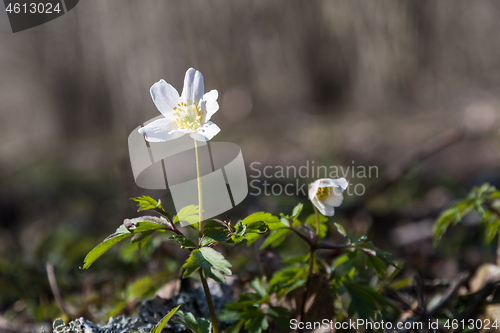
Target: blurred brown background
(331,81)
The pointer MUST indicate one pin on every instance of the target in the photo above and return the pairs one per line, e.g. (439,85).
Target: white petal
(194,87)
(206,132)
(328,211)
(339,182)
(322,207)
(160,130)
(313,190)
(209,104)
(164,96)
(335,197)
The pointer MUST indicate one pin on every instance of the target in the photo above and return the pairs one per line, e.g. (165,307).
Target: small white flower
(188,113)
(326,194)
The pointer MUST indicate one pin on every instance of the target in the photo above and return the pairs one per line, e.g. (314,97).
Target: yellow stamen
(189,117)
(323,192)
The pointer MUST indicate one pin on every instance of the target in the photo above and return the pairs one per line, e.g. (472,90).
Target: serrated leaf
(159,326)
(196,326)
(287,279)
(127,229)
(100,249)
(267,218)
(145,223)
(214,232)
(257,227)
(257,322)
(276,238)
(145,202)
(188,215)
(259,285)
(451,215)
(210,261)
(185,242)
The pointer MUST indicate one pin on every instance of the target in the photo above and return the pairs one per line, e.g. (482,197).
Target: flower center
(188,116)
(323,192)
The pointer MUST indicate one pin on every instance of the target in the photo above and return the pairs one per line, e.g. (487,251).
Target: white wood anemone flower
(326,194)
(188,113)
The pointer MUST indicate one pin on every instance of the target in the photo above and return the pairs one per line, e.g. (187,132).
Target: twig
(55,288)
(450,292)
(301,235)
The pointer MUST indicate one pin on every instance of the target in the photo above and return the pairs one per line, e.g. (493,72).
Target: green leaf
(229,315)
(296,211)
(340,229)
(259,285)
(257,321)
(287,279)
(145,223)
(214,232)
(159,326)
(210,261)
(185,242)
(311,220)
(142,238)
(285,222)
(297,259)
(451,215)
(364,300)
(267,218)
(280,315)
(276,238)
(257,227)
(248,233)
(146,203)
(141,287)
(127,229)
(100,249)
(245,301)
(236,327)
(375,255)
(492,226)
(240,229)
(197,326)
(188,214)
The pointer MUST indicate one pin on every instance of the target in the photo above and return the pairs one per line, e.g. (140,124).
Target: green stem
(308,284)
(211,309)
(198,174)
(317,224)
(311,267)
(210,303)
